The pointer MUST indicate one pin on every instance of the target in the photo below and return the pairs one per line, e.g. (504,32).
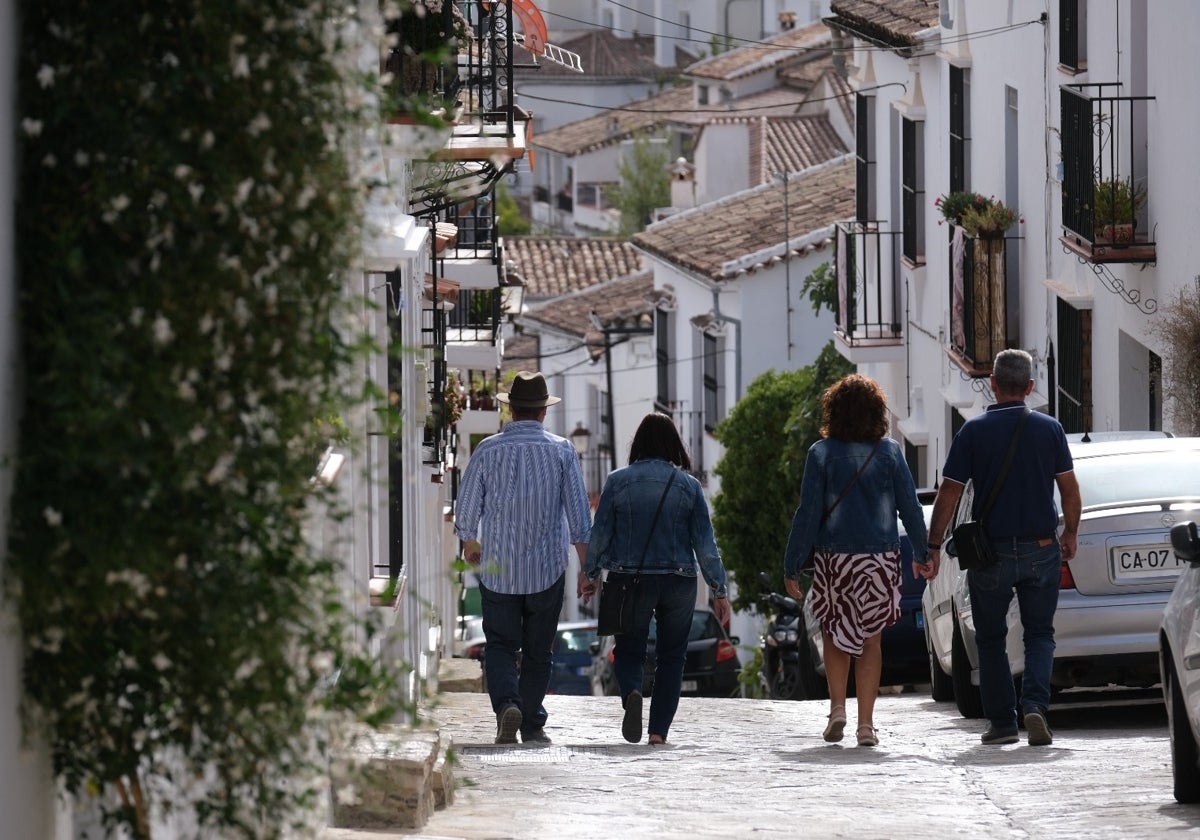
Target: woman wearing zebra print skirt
(844,533)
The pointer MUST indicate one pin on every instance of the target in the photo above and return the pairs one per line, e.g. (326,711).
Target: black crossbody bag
(614,615)
(974,549)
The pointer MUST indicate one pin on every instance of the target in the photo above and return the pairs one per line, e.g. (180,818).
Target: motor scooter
(781,649)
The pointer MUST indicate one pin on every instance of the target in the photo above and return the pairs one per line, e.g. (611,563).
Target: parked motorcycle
(789,662)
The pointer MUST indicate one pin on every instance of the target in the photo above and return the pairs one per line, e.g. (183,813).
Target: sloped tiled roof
(675,106)
(711,239)
(894,23)
(786,47)
(602,55)
(787,144)
(619,301)
(557,265)
(838,87)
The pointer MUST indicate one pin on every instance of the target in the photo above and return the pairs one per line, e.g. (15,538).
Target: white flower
(207,140)
(161,662)
(241,67)
(246,669)
(258,125)
(197,434)
(196,191)
(53,517)
(32,128)
(45,75)
(220,469)
(306,196)
(169,59)
(120,202)
(50,161)
(162,331)
(82,158)
(136,316)
(186,392)
(182,171)
(181,562)
(243,191)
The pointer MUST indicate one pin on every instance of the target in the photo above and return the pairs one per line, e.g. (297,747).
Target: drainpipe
(737,381)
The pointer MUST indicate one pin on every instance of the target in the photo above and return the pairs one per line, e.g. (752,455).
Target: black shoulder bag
(619,594)
(971,541)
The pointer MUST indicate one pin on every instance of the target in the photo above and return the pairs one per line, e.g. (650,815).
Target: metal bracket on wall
(1116,285)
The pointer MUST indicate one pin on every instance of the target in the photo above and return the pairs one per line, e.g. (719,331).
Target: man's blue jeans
(671,599)
(1033,571)
(521,626)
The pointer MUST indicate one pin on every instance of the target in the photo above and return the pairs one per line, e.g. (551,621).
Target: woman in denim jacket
(627,539)
(844,531)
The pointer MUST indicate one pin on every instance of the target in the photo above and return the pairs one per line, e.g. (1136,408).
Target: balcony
(453,64)
(868,327)
(983,286)
(1105,216)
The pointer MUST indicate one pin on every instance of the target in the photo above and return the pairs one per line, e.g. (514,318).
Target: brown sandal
(837,723)
(867,736)
(657,741)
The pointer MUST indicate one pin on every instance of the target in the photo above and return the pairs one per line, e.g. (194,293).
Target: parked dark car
(571,668)
(710,669)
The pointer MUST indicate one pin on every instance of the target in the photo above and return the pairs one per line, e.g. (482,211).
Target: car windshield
(577,640)
(1110,479)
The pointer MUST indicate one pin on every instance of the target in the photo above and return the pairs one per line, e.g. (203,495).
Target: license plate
(688,685)
(1143,562)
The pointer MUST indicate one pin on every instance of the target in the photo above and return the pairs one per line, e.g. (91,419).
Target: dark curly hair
(657,437)
(854,409)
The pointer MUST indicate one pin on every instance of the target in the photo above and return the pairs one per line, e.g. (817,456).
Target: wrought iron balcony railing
(983,279)
(1105,215)
(867,268)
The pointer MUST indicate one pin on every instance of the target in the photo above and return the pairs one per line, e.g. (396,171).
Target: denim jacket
(865,519)
(682,535)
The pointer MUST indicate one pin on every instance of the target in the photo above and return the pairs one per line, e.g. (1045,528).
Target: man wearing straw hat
(521,504)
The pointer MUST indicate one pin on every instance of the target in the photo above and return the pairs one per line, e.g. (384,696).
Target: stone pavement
(741,768)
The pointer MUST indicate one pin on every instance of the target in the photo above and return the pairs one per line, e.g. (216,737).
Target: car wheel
(1184,753)
(966,693)
(941,687)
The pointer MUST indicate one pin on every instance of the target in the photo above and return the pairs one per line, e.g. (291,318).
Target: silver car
(1112,592)
(1179,662)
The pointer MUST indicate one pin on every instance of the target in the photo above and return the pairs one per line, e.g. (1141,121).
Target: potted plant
(1115,205)
(425,37)
(976,214)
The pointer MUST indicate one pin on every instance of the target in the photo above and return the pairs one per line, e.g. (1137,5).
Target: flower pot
(1116,234)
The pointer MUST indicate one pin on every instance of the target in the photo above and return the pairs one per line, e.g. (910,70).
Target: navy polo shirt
(1025,507)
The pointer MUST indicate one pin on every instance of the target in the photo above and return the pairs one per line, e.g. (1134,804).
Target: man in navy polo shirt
(1022,526)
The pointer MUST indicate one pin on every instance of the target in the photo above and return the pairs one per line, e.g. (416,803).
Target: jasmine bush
(185,215)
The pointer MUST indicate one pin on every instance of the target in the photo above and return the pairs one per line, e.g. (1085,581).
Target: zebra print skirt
(855,596)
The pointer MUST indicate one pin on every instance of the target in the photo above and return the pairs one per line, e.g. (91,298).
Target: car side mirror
(1186,542)
(594,647)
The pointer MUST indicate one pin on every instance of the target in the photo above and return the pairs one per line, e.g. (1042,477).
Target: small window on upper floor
(701,94)
(1072,35)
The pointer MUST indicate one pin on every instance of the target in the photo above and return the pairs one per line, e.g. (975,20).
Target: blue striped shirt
(522,496)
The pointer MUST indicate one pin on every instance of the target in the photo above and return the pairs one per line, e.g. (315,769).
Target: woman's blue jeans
(1033,571)
(520,631)
(671,599)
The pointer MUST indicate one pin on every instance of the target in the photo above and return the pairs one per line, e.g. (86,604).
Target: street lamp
(581,438)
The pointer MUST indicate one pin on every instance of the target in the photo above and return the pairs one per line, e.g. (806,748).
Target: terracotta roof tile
(556,265)
(789,144)
(895,23)
(675,106)
(602,55)
(618,302)
(710,240)
(794,46)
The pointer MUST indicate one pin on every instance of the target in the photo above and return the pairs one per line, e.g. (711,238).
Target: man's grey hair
(1013,369)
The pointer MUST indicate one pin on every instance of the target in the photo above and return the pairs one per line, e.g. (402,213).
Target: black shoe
(995,736)
(536,736)
(507,724)
(631,725)
(1039,731)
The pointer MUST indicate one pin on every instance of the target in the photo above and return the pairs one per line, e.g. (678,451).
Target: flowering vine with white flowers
(186,216)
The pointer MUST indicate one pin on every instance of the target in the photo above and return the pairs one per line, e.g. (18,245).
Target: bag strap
(1008,459)
(853,481)
(653,522)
